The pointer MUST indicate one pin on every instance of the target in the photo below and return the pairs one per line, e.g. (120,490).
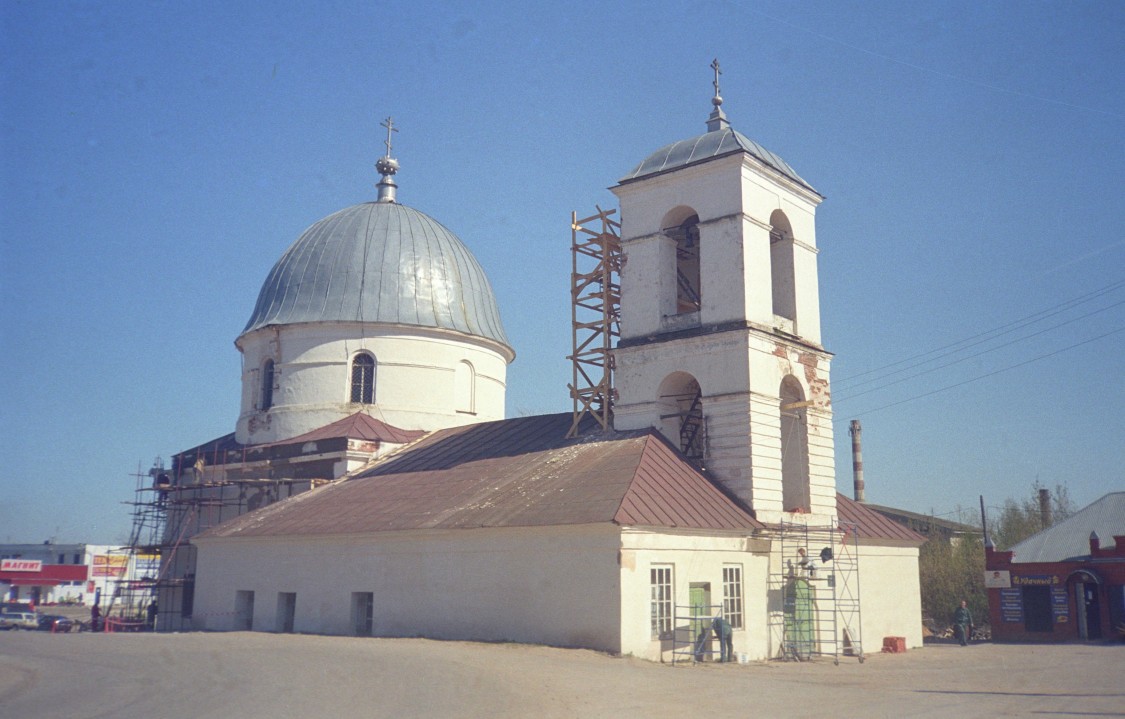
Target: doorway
(799,620)
(1089,610)
(286,611)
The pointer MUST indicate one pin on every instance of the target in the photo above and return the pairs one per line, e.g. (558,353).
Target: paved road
(264,675)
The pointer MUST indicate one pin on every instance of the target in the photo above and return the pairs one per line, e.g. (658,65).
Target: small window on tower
(267,385)
(363,379)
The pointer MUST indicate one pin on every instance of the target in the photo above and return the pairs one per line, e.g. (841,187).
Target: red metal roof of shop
(509,473)
(871,524)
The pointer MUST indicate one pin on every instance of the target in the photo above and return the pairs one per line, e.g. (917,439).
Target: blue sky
(158,158)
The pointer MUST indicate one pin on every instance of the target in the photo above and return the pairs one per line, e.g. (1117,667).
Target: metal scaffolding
(595,314)
(157,594)
(817,579)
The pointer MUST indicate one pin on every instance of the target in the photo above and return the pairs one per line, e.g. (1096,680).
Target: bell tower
(720,345)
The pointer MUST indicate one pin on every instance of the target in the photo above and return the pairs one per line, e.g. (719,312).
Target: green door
(798,620)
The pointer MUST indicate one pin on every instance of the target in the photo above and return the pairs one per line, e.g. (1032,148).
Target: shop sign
(147,566)
(998,579)
(21,565)
(109,565)
(1011,605)
(1060,609)
(1035,580)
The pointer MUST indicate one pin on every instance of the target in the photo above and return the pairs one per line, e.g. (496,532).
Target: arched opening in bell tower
(680,403)
(781,267)
(682,225)
(794,446)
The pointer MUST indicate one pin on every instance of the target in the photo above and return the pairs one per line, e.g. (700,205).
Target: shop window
(1037,609)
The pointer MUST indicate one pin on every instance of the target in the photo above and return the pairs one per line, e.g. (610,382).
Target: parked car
(19,620)
(56,623)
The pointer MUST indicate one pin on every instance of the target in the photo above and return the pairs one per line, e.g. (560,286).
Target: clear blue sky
(158,158)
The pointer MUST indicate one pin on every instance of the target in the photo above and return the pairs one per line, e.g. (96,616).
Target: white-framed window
(732,595)
(363,379)
(662,600)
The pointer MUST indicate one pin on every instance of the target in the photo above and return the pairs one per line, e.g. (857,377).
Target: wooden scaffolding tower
(595,295)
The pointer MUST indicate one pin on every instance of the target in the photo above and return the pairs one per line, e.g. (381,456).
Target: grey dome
(379,262)
(709,145)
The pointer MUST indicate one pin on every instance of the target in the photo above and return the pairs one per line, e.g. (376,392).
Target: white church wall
(414,378)
(556,585)
(761,195)
(694,558)
(890,594)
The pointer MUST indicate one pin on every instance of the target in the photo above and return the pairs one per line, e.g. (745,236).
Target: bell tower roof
(709,146)
(720,140)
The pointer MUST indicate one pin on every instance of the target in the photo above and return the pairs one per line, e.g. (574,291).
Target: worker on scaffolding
(725,634)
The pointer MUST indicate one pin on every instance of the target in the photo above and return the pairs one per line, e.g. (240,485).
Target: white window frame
(732,595)
(662,594)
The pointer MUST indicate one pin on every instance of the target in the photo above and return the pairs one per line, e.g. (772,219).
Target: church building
(373,487)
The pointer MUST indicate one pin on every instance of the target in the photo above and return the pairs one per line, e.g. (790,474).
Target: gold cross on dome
(389,123)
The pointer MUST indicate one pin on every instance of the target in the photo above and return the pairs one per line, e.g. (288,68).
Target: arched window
(794,446)
(267,386)
(781,266)
(688,290)
(363,379)
(464,387)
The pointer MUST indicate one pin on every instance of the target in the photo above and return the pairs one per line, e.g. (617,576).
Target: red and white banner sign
(21,565)
(106,565)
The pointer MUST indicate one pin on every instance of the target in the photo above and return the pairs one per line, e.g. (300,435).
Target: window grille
(363,379)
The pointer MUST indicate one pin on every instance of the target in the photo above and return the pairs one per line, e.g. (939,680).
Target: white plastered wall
(890,593)
(414,377)
(693,557)
(551,585)
(735,347)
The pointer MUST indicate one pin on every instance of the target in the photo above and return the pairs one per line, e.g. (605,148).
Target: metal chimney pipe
(856,432)
(1045,507)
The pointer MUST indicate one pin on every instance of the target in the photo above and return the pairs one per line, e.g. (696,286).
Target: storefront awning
(51,575)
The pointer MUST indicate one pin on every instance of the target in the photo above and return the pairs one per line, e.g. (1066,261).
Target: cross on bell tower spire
(718,119)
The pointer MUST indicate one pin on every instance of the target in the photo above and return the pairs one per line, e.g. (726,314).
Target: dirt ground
(251,675)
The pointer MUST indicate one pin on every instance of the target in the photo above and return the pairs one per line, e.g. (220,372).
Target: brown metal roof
(358,426)
(871,524)
(511,473)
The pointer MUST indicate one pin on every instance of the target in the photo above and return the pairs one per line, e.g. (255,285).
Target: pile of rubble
(932,632)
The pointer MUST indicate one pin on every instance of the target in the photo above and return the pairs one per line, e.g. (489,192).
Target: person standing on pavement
(963,623)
